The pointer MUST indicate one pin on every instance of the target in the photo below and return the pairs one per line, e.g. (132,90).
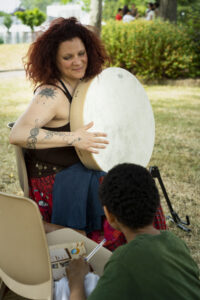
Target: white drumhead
(117,103)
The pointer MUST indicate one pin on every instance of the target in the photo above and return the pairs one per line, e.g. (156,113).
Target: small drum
(118,105)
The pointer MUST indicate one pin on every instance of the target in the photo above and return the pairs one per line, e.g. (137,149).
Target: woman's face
(72,59)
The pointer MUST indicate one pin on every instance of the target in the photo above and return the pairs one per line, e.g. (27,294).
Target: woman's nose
(76,61)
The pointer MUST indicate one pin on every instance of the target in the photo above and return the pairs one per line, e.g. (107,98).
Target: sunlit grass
(11,56)
(177,154)
(15,94)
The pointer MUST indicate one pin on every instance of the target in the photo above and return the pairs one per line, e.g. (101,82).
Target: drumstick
(92,253)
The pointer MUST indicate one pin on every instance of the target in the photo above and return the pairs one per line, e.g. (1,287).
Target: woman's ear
(112,220)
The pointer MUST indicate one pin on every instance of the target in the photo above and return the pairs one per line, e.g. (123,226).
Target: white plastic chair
(24,256)
(21,167)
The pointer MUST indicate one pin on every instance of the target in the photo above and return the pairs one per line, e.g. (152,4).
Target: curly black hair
(129,192)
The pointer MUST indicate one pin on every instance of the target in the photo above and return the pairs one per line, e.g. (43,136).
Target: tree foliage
(32,18)
(85,4)
(2,14)
(7,21)
(40,4)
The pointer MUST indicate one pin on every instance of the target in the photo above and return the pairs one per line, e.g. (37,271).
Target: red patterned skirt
(40,190)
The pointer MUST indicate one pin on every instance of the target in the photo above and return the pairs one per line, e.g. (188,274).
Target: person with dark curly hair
(153,264)
(62,56)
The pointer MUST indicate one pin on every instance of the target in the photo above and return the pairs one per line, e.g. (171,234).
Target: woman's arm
(48,106)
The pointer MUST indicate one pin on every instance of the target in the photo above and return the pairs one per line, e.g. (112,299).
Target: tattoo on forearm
(73,141)
(48,93)
(50,134)
(32,139)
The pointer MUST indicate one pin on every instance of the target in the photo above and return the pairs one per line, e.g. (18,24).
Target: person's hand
(89,141)
(76,271)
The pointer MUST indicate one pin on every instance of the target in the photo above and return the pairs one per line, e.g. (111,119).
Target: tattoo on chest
(48,93)
(32,139)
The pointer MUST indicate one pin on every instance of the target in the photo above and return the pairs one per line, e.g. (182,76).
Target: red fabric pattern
(41,192)
(159,219)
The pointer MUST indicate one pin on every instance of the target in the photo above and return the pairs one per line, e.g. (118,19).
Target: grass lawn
(11,56)
(176,151)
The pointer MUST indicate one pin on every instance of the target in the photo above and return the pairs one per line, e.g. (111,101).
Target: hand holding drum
(89,141)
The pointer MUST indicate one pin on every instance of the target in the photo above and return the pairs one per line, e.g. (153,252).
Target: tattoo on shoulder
(48,93)
(32,139)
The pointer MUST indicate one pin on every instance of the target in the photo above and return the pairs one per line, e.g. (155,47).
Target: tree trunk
(168,10)
(96,14)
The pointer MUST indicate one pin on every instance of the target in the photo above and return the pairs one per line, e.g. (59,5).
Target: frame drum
(118,105)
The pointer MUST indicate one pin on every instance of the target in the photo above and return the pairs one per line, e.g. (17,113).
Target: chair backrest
(21,167)
(24,257)
(22,171)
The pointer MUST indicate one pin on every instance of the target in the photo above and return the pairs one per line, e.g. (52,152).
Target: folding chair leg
(174,216)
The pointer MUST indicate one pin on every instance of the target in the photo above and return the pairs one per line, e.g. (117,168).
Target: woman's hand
(89,141)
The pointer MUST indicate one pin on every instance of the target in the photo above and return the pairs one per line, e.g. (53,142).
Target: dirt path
(17,73)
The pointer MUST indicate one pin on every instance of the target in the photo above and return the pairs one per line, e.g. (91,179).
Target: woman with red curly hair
(66,53)
(65,191)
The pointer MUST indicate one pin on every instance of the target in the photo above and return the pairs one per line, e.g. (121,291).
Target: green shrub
(7,21)
(141,10)
(3,14)
(150,49)
(1,41)
(32,18)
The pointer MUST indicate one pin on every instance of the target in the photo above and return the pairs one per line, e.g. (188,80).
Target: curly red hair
(41,65)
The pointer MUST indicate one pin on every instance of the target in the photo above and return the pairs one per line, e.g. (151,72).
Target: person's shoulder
(144,242)
(171,238)
(124,252)
(49,92)
(168,235)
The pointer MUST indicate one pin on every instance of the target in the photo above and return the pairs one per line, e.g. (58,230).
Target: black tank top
(44,162)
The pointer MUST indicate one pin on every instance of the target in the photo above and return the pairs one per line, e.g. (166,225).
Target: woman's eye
(82,53)
(67,57)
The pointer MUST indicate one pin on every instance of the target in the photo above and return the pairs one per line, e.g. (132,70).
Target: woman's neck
(70,84)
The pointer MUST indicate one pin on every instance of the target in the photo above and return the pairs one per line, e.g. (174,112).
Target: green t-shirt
(150,267)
